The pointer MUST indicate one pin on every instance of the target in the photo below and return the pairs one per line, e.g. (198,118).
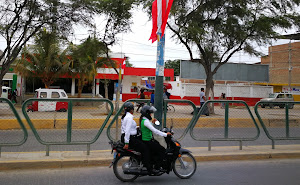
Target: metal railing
(82,121)
(279,123)
(51,128)
(179,116)
(117,118)
(6,106)
(224,129)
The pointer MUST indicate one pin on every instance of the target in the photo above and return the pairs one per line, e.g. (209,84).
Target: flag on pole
(160,13)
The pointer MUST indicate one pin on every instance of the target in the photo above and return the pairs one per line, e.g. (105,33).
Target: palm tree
(44,59)
(86,59)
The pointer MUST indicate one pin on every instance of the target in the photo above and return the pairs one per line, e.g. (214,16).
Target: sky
(141,52)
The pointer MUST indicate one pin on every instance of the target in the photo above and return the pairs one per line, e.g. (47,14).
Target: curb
(51,164)
(85,162)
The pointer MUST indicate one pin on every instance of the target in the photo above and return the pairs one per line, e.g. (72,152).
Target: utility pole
(290,65)
(158,97)
(94,80)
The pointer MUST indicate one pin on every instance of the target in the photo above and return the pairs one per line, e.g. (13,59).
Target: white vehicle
(274,98)
(5,92)
(49,105)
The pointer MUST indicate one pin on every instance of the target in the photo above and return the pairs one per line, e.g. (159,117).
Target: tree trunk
(93,87)
(1,86)
(210,90)
(106,94)
(80,85)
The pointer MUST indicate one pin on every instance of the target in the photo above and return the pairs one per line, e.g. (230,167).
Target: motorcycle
(127,163)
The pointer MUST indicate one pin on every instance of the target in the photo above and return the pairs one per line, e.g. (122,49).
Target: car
(277,97)
(49,105)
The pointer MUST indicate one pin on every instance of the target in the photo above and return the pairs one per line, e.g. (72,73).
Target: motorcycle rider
(129,136)
(147,129)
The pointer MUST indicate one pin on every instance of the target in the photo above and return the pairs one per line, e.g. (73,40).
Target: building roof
(295,36)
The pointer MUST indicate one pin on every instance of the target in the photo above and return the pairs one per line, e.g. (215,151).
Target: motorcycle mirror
(157,123)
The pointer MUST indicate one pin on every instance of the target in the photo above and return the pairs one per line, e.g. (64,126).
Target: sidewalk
(63,159)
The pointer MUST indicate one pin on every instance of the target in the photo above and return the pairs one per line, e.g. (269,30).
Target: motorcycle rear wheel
(185,166)
(124,163)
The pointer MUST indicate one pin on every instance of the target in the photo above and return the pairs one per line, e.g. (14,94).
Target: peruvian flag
(160,13)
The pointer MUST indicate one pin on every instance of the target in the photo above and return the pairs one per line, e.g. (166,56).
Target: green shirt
(146,132)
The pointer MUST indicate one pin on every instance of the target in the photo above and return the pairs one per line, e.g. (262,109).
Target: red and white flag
(160,13)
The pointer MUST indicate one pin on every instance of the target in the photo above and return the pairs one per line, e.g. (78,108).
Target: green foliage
(118,13)
(127,62)
(220,28)
(21,20)
(173,64)
(86,57)
(44,59)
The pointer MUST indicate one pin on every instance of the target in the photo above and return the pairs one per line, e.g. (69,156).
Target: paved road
(266,172)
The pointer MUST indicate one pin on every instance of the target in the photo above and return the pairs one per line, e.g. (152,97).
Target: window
(133,89)
(151,78)
(63,94)
(280,96)
(272,95)
(168,78)
(43,95)
(55,95)
(289,95)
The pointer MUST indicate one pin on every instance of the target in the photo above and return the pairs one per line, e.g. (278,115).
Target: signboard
(227,72)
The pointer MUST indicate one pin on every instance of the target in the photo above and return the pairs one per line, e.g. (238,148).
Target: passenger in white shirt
(129,136)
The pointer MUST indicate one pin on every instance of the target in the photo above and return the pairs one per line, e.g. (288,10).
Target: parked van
(49,105)
(277,97)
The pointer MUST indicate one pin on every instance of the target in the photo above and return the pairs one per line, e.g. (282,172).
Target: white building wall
(262,91)
(127,83)
(176,88)
(240,91)
(192,89)
(219,89)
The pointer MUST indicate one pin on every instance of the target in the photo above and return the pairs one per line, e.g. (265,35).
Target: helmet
(147,110)
(128,106)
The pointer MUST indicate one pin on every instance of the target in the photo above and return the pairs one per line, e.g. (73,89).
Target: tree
(173,64)
(127,62)
(44,59)
(118,20)
(86,59)
(221,28)
(21,20)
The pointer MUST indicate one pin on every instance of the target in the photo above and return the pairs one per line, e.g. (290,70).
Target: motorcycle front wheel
(185,166)
(125,163)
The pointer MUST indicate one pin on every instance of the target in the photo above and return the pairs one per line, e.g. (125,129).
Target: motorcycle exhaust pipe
(136,172)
